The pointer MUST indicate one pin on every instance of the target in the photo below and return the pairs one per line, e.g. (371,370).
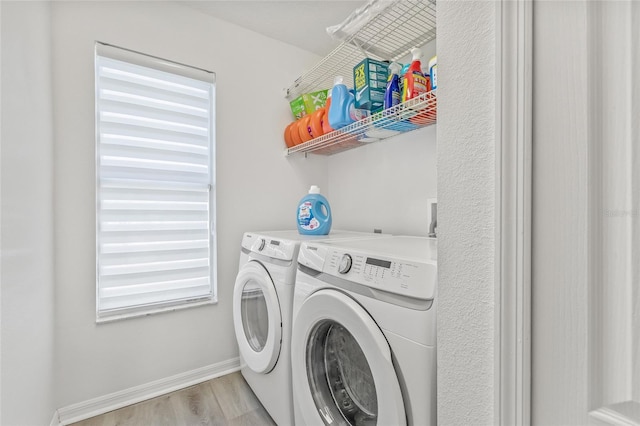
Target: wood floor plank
(123,417)
(157,411)
(256,417)
(224,401)
(109,419)
(234,395)
(93,421)
(197,405)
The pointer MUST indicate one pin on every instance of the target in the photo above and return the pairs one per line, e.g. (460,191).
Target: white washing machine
(364,333)
(262,309)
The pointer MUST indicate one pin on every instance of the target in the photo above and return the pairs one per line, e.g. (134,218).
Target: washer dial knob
(262,243)
(345,264)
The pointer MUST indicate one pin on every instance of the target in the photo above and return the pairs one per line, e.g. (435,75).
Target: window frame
(132,57)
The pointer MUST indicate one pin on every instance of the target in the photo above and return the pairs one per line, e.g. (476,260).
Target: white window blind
(155,184)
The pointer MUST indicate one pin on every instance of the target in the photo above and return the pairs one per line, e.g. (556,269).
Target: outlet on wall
(432,217)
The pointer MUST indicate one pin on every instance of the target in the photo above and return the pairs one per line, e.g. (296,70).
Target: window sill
(153,311)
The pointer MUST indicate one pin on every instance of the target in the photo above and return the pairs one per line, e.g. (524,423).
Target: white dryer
(262,310)
(364,333)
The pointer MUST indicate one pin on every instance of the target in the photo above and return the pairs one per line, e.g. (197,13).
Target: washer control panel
(409,278)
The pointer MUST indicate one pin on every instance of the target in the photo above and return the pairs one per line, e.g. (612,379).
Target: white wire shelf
(389,36)
(411,115)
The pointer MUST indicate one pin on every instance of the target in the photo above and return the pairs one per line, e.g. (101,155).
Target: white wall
(385,185)
(257,186)
(466,216)
(26,249)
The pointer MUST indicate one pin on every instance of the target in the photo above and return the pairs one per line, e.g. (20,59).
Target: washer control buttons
(345,264)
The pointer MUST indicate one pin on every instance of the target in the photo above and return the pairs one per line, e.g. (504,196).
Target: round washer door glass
(342,369)
(256,317)
(339,374)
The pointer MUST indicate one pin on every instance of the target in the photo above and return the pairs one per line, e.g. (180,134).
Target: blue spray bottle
(314,213)
(392,95)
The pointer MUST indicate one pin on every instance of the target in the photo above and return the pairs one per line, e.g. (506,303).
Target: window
(155,187)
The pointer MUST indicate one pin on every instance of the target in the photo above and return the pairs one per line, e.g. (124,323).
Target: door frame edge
(514,117)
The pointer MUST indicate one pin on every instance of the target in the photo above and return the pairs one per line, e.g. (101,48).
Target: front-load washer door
(341,365)
(257,318)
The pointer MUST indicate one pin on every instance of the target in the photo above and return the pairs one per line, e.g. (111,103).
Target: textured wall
(27,331)
(466,222)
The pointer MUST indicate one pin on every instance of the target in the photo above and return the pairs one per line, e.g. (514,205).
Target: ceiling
(301,23)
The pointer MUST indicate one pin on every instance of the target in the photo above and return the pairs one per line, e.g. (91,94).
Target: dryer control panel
(267,246)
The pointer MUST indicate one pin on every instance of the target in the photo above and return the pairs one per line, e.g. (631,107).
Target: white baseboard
(55,420)
(103,404)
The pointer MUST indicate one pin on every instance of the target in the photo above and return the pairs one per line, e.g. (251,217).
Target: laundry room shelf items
(407,116)
(389,35)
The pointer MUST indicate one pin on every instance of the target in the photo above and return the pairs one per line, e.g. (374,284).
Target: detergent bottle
(342,104)
(314,213)
(414,81)
(392,95)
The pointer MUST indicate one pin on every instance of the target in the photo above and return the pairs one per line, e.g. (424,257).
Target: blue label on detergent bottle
(306,220)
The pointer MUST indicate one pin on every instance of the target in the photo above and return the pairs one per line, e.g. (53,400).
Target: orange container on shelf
(303,128)
(294,134)
(326,127)
(287,136)
(316,122)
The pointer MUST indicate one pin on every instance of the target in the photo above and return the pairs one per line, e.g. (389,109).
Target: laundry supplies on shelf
(307,103)
(433,69)
(369,81)
(387,33)
(414,82)
(392,95)
(342,102)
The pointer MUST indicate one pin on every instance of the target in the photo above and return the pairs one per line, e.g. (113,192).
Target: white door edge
(513,212)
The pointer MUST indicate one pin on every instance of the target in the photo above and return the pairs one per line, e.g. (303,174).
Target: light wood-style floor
(225,401)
